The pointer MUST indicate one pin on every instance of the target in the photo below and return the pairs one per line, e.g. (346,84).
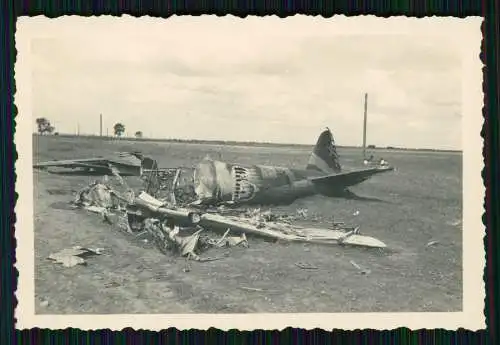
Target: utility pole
(100,125)
(77,129)
(364,126)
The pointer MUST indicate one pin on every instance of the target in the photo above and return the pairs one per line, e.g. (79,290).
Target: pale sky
(270,80)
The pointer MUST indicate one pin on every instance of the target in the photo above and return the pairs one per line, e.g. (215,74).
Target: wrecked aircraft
(214,182)
(174,223)
(218,182)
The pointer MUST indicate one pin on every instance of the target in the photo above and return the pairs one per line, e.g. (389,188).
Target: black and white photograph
(249,172)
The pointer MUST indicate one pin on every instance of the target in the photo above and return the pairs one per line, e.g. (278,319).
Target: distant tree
(119,129)
(138,134)
(44,126)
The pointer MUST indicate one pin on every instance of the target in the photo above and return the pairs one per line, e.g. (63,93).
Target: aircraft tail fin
(324,157)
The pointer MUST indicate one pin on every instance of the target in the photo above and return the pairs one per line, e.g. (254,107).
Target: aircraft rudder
(324,156)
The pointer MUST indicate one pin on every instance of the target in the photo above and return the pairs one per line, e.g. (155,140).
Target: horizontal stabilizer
(351,178)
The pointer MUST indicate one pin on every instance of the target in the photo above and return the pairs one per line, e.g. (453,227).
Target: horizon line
(236,142)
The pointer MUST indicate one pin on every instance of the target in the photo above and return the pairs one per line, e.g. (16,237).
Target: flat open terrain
(419,203)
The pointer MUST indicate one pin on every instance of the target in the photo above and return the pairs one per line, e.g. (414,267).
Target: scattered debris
(457,222)
(173,184)
(168,237)
(336,224)
(302,212)
(44,304)
(74,256)
(95,196)
(361,270)
(251,289)
(187,267)
(305,266)
(381,162)
(432,243)
(111,284)
(100,198)
(179,229)
(229,241)
(355,265)
(233,241)
(356,213)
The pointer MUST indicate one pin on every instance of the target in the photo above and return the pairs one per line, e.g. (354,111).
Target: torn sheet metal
(172,184)
(96,194)
(169,239)
(74,256)
(151,207)
(229,241)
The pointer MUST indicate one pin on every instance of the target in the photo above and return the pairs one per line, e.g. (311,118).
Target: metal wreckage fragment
(76,255)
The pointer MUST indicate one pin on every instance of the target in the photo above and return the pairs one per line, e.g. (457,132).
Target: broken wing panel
(125,158)
(127,164)
(121,158)
(275,230)
(70,163)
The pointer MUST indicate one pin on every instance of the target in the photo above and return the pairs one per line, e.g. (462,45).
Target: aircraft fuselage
(228,183)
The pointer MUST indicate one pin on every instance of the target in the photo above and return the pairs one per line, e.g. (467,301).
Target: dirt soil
(407,209)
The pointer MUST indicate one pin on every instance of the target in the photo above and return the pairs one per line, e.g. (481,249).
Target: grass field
(418,203)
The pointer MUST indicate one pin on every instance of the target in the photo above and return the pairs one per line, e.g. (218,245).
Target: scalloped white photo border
(466,30)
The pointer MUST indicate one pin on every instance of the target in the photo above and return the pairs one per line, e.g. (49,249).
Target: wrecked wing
(72,163)
(305,235)
(123,158)
(329,236)
(125,164)
(126,158)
